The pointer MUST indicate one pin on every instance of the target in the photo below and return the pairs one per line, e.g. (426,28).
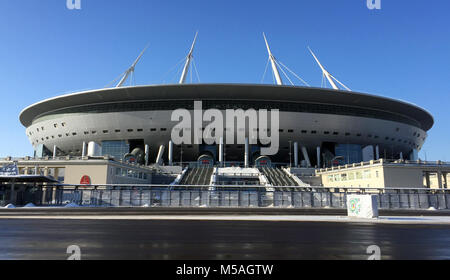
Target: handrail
(316,188)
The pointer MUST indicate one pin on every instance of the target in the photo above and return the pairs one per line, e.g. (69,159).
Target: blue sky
(401,51)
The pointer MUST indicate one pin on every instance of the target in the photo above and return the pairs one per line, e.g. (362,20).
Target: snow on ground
(29,205)
(72,205)
(237,170)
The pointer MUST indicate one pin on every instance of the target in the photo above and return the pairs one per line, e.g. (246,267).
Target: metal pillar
(246,156)
(221,151)
(54,151)
(295,154)
(170,153)
(414,155)
(83,150)
(377,152)
(147,151)
(318,157)
(159,158)
(305,155)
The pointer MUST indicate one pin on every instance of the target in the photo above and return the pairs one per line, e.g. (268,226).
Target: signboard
(85,180)
(9,170)
(362,206)
(263,161)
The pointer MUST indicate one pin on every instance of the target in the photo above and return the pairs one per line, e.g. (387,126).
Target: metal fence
(244,197)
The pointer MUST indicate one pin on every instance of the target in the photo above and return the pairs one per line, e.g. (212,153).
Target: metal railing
(233,196)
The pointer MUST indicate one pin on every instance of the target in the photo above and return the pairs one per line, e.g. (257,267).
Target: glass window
(115,149)
(366,174)
(358,175)
(61,174)
(349,153)
(351,176)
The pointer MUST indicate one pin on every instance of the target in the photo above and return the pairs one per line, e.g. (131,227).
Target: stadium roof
(272,93)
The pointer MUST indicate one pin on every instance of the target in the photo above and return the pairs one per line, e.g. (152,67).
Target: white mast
(273,62)
(188,61)
(131,69)
(328,75)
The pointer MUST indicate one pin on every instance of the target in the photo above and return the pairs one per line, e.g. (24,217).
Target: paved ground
(176,211)
(216,239)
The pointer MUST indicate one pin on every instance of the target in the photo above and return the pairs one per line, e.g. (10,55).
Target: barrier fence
(232,196)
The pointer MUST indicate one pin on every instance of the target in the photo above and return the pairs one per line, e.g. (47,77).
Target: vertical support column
(427,179)
(13,193)
(439,177)
(159,158)
(246,156)
(221,151)
(54,151)
(170,153)
(377,152)
(147,151)
(445,179)
(318,157)
(83,149)
(296,154)
(414,155)
(305,155)
(401,155)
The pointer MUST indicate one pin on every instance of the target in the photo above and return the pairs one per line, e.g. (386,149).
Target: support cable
(171,69)
(265,71)
(281,68)
(195,69)
(293,73)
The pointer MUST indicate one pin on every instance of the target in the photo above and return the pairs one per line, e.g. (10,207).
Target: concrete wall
(371,176)
(97,173)
(402,177)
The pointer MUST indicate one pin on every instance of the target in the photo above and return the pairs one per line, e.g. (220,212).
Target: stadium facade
(318,127)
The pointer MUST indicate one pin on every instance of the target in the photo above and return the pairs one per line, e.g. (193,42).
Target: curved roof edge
(228,91)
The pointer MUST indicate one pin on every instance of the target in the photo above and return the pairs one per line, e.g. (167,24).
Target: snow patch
(29,205)
(72,205)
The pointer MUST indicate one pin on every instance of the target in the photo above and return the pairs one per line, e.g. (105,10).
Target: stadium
(318,127)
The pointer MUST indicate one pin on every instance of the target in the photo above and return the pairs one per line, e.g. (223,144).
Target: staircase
(277,177)
(198,176)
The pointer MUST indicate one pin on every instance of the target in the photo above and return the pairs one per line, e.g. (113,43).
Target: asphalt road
(219,240)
